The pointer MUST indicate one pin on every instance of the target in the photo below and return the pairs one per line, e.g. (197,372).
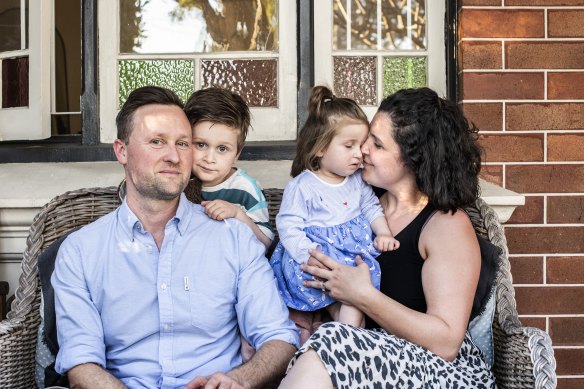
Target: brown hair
(138,98)
(326,113)
(219,105)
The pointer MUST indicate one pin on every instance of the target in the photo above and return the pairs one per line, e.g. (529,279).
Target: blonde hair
(326,114)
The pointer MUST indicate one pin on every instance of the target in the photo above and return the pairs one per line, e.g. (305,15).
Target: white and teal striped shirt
(243,190)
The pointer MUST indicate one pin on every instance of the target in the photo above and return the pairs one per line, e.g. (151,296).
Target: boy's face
(214,152)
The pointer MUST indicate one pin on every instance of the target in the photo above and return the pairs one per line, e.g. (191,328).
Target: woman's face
(382,164)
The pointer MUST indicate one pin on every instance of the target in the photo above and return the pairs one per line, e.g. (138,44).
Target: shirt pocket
(213,309)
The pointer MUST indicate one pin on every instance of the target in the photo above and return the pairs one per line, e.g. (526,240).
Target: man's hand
(220,210)
(216,381)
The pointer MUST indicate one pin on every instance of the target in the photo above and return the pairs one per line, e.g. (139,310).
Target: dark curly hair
(326,114)
(438,144)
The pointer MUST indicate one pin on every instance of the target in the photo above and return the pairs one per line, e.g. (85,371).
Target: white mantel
(26,187)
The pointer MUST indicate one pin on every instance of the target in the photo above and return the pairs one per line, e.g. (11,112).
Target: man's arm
(267,365)
(90,375)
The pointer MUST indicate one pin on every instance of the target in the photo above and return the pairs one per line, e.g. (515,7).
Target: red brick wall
(521,77)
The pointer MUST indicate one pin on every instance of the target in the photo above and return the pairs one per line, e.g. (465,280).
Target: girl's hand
(346,284)
(385,243)
(220,210)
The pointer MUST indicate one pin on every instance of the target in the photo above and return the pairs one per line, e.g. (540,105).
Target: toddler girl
(327,206)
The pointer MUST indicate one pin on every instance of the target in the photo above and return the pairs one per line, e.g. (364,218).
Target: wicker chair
(523,356)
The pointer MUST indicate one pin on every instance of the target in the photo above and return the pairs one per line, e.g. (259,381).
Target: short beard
(155,190)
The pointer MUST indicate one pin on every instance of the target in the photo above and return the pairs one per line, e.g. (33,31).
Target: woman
(423,153)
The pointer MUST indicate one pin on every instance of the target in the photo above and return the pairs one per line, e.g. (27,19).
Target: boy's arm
(221,209)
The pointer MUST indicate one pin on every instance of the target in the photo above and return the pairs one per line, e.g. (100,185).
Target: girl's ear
(320,153)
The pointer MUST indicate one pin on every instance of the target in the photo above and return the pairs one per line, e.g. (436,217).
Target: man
(153,294)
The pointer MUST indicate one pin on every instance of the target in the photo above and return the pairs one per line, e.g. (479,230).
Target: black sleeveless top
(401,269)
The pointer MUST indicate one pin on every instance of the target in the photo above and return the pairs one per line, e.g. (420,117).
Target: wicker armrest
(18,333)
(523,358)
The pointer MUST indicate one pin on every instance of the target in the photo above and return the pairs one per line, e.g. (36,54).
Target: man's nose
(172,153)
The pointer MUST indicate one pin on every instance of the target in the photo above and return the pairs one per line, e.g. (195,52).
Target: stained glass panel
(254,80)
(403,72)
(194,26)
(15,82)
(177,75)
(355,77)
(377,24)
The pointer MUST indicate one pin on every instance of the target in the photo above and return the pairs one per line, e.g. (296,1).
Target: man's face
(158,155)
(214,152)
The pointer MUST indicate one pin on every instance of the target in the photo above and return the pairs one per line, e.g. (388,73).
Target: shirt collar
(131,224)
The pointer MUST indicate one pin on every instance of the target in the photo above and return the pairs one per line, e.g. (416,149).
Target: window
(187,45)
(270,51)
(24,57)
(368,49)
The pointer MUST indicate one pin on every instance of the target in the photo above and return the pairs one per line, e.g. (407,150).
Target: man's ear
(121,151)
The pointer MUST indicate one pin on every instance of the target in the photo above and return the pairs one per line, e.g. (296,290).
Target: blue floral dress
(334,218)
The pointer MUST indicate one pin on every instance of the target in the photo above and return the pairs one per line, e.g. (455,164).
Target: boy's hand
(385,243)
(220,210)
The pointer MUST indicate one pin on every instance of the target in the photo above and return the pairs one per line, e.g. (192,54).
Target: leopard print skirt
(359,358)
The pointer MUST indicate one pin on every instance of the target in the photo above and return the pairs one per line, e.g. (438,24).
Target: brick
(555,3)
(561,300)
(565,24)
(545,116)
(570,383)
(542,240)
(565,270)
(481,2)
(502,86)
(545,178)
(565,209)
(512,148)
(481,55)
(492,173)
(566,86)
(569,361)
(486,23)
(486,116)
(567,331)
(527,270)
(565,147)
(529,213)
(537,322)
(544,55)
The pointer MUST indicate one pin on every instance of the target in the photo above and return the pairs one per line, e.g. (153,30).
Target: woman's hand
(346,284)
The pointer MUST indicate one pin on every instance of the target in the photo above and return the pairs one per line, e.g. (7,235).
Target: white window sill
(31,185)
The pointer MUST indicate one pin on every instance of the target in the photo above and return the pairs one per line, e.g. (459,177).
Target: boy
(220,121)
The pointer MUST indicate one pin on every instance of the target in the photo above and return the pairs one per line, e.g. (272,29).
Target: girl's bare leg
(346,314)
(308,372)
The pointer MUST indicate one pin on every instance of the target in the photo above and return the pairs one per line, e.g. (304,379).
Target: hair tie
(327,99)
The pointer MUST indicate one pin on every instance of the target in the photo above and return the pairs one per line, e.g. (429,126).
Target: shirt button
(166,327)
(149,249)
(163,286)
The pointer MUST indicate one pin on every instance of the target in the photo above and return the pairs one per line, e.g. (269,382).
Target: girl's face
(343,157)
(382,164)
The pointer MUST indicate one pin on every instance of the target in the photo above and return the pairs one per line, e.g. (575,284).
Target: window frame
(89,147)
(32,121)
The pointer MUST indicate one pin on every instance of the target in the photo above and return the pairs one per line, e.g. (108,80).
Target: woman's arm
(449,278)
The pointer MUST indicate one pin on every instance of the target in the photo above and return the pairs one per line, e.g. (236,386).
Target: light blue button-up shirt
(160,318)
